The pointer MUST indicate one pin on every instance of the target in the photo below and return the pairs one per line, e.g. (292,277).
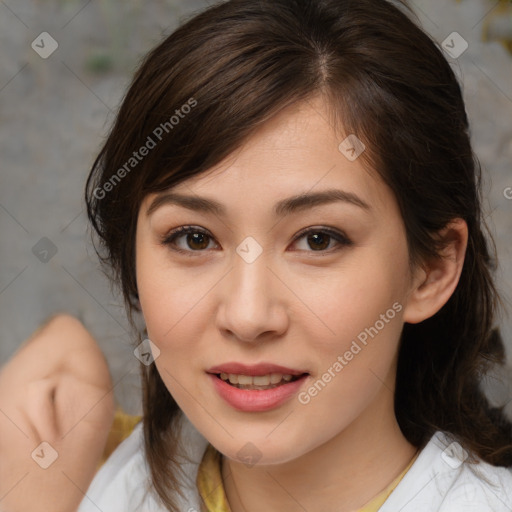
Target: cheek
(355,362)
(177,309)
(361,302)
(354,357)
(167,295)
(173,315)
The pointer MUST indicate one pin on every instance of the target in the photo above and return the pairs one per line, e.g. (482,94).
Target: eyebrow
(284,207)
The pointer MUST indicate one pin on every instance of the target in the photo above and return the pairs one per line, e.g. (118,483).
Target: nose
(252,302)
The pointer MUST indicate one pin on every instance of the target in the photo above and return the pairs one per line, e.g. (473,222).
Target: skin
(294,306)
(57,389)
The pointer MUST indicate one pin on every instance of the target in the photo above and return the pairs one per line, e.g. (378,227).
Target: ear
(436,280)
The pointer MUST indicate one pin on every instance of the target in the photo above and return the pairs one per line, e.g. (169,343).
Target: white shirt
(440,480)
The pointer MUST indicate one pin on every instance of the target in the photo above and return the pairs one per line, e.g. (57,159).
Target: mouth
(255,382)
(256,388)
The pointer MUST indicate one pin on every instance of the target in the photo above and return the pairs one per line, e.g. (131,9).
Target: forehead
(295,153)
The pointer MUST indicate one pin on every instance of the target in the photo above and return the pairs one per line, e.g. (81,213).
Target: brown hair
(242,62)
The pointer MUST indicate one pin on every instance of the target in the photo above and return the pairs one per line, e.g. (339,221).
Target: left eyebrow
(284,207)
(304,201)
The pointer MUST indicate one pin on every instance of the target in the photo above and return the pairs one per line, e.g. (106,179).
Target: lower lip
(256,400)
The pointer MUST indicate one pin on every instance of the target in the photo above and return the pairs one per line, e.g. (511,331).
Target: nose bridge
(250,304)
(250,285)
(250,268)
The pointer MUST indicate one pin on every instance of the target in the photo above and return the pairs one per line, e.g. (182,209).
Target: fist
(56,409)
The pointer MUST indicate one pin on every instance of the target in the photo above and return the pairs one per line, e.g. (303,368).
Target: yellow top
(211,488)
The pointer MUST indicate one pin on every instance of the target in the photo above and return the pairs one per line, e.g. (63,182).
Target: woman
(315,344)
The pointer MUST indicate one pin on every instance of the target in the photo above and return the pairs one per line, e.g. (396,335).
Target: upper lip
(254,370)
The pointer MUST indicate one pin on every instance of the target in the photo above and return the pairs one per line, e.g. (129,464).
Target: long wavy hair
(241,62)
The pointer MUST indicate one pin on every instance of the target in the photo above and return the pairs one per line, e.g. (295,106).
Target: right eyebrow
(194,203)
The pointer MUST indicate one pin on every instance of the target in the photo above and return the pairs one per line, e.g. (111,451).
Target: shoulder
(123,483)
(442,479)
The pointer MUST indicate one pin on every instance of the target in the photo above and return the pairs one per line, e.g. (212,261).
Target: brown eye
(197,241)
(188,239)
(319,241)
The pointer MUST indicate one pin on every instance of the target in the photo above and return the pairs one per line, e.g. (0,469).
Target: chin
(261,451)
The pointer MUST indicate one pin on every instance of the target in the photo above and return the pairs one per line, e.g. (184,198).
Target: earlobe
(435,282)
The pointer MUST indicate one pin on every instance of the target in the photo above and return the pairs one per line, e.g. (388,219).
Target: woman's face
(296,264)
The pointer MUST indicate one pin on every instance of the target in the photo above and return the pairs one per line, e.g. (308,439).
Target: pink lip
(255,400)
(254,370)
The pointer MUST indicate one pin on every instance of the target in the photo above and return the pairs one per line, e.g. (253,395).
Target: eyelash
(170,238)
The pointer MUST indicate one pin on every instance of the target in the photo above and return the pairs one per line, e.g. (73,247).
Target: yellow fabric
(121,428)
(378,501)
(211,488)
(209,482)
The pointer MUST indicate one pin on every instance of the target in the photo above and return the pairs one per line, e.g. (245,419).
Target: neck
(340,475)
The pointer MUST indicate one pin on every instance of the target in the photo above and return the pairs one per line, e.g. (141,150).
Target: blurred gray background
(55,111)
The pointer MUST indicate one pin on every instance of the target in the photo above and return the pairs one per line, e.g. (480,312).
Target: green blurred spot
(100,63)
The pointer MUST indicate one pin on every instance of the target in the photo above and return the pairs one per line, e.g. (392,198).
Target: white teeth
(275,378)
(242,379)
(261,380)
(270,380)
